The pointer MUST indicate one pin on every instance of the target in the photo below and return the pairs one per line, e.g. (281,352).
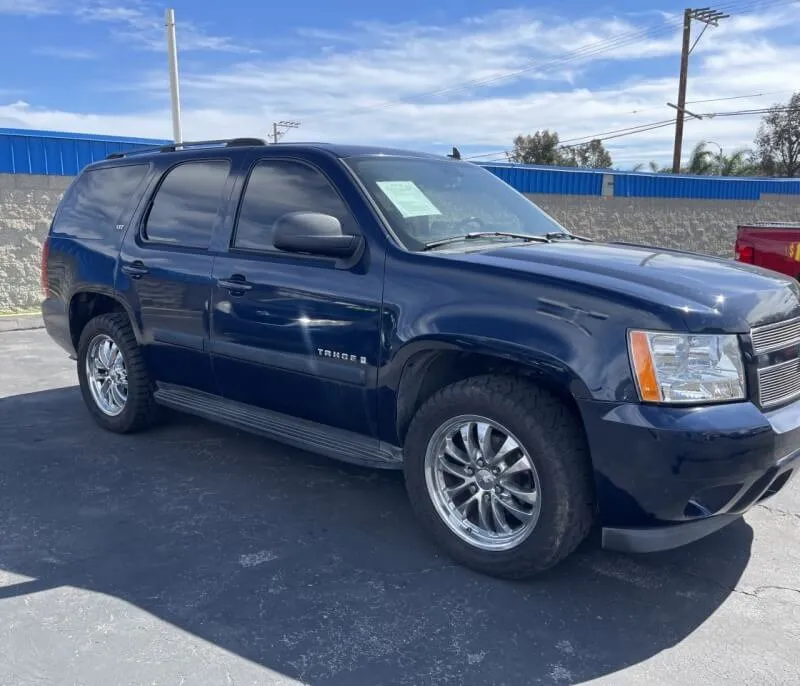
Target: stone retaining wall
(27,204)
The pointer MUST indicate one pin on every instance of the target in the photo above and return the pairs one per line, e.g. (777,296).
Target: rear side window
(277,187)
(186,204)
(96,202)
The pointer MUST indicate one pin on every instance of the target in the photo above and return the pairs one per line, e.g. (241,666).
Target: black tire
(555,441)
(140,409)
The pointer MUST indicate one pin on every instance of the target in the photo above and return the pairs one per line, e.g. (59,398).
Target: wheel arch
(429,365)
(88,303)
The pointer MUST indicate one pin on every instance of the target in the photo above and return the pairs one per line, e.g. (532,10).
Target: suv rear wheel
(498,471)
(113,378)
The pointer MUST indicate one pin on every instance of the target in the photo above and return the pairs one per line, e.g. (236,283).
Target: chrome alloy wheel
(106,375)
(483,483)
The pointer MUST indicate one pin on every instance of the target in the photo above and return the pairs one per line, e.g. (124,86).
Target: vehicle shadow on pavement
(315,569)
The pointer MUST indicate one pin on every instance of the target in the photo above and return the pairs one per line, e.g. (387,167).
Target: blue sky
(428,75)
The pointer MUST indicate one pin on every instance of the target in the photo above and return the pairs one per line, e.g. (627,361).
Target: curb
(20,322)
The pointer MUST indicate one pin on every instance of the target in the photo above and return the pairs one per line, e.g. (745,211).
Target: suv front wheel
(113,377)
(498,472)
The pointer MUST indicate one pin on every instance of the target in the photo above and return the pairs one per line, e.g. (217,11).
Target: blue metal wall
(566,181)
(58,154)
(556,180)
(25,151)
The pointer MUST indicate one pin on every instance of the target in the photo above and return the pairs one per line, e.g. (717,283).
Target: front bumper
(667,476)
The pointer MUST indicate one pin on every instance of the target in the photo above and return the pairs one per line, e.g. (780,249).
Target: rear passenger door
(165,269)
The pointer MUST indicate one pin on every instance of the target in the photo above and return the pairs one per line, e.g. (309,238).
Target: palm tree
(700,161)
(653,165)
(737,163)
(704,162)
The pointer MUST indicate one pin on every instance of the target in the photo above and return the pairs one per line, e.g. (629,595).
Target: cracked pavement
(195,554)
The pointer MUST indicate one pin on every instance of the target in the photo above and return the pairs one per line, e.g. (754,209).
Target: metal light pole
(174,87)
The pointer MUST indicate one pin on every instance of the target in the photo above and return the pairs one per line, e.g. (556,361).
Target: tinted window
(186,204)
(275,188)
(94,204)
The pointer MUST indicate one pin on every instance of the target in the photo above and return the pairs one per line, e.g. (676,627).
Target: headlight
(686,368)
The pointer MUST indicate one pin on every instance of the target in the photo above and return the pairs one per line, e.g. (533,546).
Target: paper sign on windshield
(408,198)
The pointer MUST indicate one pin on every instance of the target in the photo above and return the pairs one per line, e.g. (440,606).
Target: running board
(300,433)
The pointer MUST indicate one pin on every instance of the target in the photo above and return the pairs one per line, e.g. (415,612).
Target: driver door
(293,333)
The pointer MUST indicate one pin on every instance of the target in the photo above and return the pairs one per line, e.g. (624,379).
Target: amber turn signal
(643,367)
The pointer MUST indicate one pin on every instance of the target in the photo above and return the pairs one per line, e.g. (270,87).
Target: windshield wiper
(559,235)
(486,234)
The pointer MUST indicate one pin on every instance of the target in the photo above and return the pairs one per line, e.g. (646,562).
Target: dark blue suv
(402,310)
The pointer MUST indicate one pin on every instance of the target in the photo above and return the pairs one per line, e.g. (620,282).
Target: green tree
(539,148)
(592,155)
(778,139)
(543,147)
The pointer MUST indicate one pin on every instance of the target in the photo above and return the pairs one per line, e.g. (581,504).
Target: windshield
(426,200)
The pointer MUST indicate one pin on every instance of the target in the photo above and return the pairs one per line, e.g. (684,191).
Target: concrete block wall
(704,226)
(27,204)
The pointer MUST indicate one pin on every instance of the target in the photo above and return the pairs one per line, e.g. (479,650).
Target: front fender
(578,348)
(538,361)
(572,332)
(568,358)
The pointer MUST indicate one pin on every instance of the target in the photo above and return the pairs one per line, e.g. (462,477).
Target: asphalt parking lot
(194,554)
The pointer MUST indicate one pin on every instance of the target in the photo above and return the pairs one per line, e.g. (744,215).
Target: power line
(731,97)
(738,97)
(627,128)
(671,121)
(607,135)
(620,135)
(643,128)
(745,113)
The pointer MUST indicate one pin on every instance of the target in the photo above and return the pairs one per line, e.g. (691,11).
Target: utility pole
(174,88)
(279,129)
(708,17)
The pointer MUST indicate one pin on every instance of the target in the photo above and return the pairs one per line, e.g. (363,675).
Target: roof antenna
(456,155)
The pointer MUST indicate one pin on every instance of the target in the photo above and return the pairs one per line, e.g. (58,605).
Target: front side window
(185,206)
(426,200)
(277,187)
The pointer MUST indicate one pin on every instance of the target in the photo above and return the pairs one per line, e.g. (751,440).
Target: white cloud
(404,84)
(143,24)
(139,22)
(30,8)
(64,53)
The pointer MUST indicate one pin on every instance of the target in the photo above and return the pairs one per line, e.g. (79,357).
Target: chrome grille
(776,336)
(778,381)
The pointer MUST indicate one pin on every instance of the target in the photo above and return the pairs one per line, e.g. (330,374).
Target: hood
(710,293)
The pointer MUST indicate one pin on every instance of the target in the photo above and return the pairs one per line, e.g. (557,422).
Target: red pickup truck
(773,246)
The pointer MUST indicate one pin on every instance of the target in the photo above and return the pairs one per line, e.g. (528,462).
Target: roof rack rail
(172,147)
